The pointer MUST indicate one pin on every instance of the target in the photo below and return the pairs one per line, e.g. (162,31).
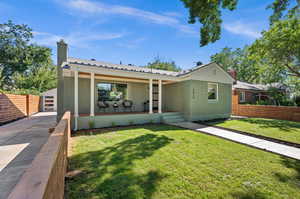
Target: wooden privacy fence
(274,112)
(13,107)
(45,178)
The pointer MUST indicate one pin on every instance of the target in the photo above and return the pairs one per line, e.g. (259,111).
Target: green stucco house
(101,94)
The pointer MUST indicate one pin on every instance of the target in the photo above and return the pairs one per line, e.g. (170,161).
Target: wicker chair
(127,104)
(103,105)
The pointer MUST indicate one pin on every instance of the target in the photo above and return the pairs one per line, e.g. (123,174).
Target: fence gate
(49,103)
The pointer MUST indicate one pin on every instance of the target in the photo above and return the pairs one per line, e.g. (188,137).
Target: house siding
(202,109)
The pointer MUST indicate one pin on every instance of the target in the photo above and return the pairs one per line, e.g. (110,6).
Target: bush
(297,100)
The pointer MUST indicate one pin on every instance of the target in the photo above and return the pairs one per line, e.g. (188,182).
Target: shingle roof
(258,87)
(129,67)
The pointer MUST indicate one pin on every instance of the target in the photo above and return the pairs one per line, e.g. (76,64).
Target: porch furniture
(146,106)
(127,104)
(115,107)
(103,105)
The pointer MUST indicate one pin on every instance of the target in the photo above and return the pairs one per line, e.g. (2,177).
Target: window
(111,91)
(242,96)
(212,92)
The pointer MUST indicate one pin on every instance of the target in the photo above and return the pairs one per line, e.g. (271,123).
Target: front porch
(101,120)
(99,100)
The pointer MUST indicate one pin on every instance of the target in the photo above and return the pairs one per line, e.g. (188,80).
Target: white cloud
(91,8)
(76,39)
(244,29)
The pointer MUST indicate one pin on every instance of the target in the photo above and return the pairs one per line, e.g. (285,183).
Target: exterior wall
(118,120)
(177,97)
(273,112)
(137,92)
(13,107)
(202,109)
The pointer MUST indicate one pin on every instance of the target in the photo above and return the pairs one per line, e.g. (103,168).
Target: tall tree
(279,48)
(18,55)
(238,60)
(36,80)
(208,13)
(159,63)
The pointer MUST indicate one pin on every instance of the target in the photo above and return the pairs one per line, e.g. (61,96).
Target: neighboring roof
(257,87)
(131,68)
(51,92)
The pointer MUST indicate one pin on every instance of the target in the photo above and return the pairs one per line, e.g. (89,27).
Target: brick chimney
(233,74)
(62,56)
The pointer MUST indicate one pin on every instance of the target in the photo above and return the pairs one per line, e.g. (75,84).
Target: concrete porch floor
(20,141)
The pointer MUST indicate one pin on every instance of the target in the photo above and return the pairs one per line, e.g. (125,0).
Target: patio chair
(116,106)
(127,104)
(103,105)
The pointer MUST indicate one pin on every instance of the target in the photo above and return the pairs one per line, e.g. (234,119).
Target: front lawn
(166,162)
(279,129)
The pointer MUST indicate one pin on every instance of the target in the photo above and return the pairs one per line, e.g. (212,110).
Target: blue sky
(133,31)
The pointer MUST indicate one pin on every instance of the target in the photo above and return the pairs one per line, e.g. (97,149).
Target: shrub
(297,100)
(113,124)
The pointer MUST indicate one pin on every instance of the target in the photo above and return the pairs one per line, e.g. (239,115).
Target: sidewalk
(273,147)
(20,141)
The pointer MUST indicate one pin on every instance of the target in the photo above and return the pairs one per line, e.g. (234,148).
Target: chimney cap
(61,41)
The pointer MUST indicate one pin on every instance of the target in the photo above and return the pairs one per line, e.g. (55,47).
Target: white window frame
(243,96)
(217,92)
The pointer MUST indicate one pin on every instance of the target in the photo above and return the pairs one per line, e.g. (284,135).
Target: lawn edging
(279,141)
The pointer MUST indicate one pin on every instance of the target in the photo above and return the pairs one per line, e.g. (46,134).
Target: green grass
(165,162)
(280,129)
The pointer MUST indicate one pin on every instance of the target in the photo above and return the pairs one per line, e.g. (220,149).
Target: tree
(159,63)
(208,13)
(37,80)
(238,60)
(17,54)
(279,48)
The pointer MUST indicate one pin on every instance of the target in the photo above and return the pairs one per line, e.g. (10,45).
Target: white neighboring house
(50,100)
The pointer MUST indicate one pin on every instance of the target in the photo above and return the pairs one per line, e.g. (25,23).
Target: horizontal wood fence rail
(45,178)
(290,113)
(13,106)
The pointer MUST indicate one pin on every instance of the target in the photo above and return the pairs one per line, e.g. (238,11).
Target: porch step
(173,117)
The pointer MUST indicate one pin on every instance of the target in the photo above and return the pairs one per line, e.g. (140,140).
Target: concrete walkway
(20,141)
(280,149)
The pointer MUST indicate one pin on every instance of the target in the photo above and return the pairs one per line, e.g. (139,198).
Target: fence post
(27,105)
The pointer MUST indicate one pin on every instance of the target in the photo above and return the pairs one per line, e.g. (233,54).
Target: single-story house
(251,93)
(101,94)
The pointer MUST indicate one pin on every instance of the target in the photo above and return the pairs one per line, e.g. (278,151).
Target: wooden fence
(13,107)
(273,112)
(45,178)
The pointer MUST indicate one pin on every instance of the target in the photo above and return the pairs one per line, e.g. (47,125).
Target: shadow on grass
(110,173)
(264,123)
(291,179)
(151,127)
(270,123)
(250,194)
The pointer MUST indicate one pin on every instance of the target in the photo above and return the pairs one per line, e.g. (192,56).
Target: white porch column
(92,111)
(150,96)
(76,98)
(159,95)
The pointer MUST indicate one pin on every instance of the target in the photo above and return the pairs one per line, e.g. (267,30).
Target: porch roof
(129,68)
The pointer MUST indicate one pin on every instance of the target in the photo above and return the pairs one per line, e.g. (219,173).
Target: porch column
(159,95)
(76,98)
(150,96)
(92,111)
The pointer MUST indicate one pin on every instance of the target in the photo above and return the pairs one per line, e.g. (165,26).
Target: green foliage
(208,14)
(159,63)
(279,6)
(238,60)
(297,100)
(279,48)
(24,67)
(91,123)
